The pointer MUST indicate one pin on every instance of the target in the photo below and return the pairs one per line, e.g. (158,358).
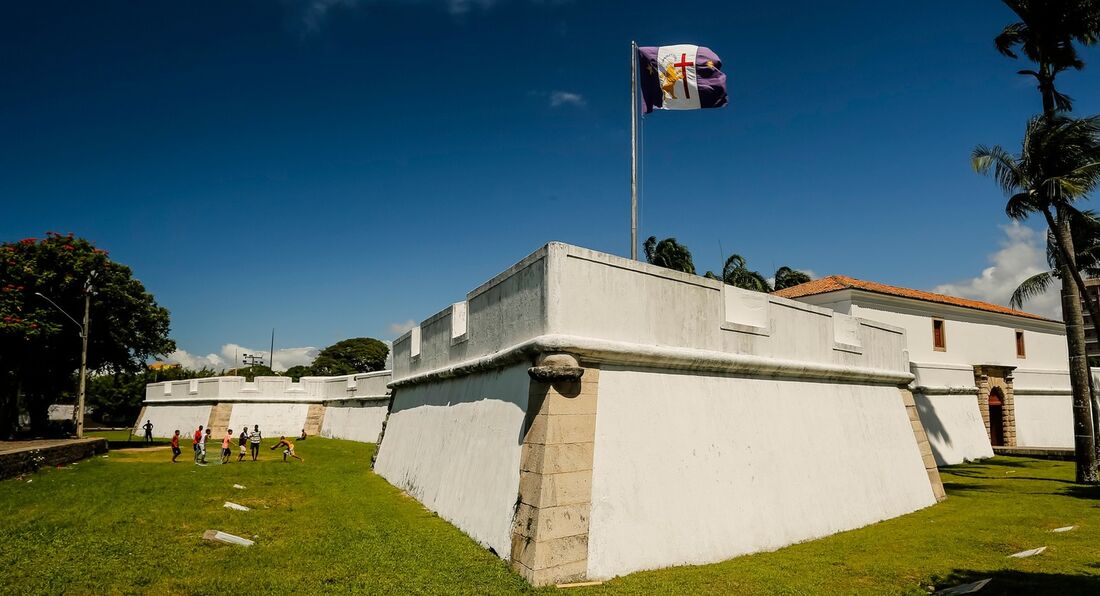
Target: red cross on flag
(681,77)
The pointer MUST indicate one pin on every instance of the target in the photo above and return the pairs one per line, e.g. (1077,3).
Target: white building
(985,375)
(346,407)
(587,416)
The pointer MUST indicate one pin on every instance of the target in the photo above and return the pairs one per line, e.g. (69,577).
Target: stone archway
(997,381)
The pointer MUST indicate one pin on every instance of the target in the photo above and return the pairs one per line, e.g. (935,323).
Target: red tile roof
(835,283)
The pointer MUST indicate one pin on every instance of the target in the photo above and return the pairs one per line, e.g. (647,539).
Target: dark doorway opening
(996,418)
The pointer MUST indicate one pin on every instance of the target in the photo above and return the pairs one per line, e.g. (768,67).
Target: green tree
(1046,34)
(1059,163)
(356,355)
(785,277)
(668,254)
(298,371)
(735,272)
(116,397)
(40,347)
(1085,229)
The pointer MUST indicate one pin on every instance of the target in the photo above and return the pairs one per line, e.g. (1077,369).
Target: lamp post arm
(62,311)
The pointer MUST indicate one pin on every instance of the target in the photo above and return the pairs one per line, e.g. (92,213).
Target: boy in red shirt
(196,442)
(175,446)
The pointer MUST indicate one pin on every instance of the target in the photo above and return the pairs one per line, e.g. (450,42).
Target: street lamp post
(88,291)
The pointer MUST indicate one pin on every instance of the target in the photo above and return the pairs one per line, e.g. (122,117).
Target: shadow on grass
(1008,581)
(966,486)
(135,444)
(1082,491)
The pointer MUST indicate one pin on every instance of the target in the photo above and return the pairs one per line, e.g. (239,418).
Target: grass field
(132,522)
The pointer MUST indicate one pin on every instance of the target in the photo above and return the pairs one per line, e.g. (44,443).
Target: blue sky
(336,168)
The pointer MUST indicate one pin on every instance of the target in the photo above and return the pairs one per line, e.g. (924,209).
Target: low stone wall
(20,460)
(357,404)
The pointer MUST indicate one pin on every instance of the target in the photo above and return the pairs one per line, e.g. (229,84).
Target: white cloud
(561,98)
(457,7)
(233,355)
(314,12)
(398,329)
(1022,254)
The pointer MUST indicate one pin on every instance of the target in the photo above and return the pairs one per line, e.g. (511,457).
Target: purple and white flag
(681,77)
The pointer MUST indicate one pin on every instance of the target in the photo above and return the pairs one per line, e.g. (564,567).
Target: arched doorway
(996,417)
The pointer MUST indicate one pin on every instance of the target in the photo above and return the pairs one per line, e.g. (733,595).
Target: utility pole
(83,359)
(89,291)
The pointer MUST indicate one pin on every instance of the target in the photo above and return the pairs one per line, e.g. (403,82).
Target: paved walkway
(13,446)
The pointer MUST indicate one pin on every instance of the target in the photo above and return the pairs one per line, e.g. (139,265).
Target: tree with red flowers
(40,347)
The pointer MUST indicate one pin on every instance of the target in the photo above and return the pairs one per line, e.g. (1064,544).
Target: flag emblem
(681,77)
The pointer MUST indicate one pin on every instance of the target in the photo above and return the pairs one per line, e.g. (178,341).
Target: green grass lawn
(118,436)
(133,523)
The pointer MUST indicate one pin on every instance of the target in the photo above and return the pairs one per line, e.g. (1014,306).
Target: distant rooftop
(835,283)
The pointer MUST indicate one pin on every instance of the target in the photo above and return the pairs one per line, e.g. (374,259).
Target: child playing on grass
(244,444)
(283,441)
(226,440)
(175,446)
(255,438)
(202,447)
(196,441)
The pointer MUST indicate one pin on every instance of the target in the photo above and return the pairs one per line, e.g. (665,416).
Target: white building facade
(984,375)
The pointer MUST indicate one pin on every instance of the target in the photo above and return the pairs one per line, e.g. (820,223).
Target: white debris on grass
(967,588)
(1028,553)
(1064,529)
(226,538)
(238,486)
(231,505)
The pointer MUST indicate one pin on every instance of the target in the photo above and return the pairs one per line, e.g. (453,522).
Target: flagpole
(633,150)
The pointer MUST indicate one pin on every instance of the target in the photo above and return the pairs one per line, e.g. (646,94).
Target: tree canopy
(355,355)
(40,346)
(668,254)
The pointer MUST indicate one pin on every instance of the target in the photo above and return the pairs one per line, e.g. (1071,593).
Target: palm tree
(785,277)
(1059,163)
(1085,229)
(1046,34)
(668,254)
(735,272)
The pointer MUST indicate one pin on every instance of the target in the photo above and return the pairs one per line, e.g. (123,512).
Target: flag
(681,77)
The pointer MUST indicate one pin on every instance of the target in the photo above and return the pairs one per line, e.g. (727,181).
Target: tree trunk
(1084,440)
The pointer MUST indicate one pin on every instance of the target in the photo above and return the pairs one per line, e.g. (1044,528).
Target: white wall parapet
(561,297)
(359,386)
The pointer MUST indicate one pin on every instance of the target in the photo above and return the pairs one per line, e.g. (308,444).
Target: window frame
(1021,344)
(943,335)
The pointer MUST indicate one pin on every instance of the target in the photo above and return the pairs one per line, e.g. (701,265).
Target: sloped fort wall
(586,416)
(346,407)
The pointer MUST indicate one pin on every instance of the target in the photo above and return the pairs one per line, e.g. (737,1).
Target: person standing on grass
(283,441)
(196,440)
(226,440)
(148,428)
(175,446)
(255,439)
(243,440)
(202,447)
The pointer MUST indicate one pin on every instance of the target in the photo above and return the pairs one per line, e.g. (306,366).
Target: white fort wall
(945,387)
(700,406)
(346,407)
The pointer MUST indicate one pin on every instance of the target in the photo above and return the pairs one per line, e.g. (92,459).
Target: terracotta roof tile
(834,283)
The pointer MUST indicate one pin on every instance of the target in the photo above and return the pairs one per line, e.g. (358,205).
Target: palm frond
(1029,288)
